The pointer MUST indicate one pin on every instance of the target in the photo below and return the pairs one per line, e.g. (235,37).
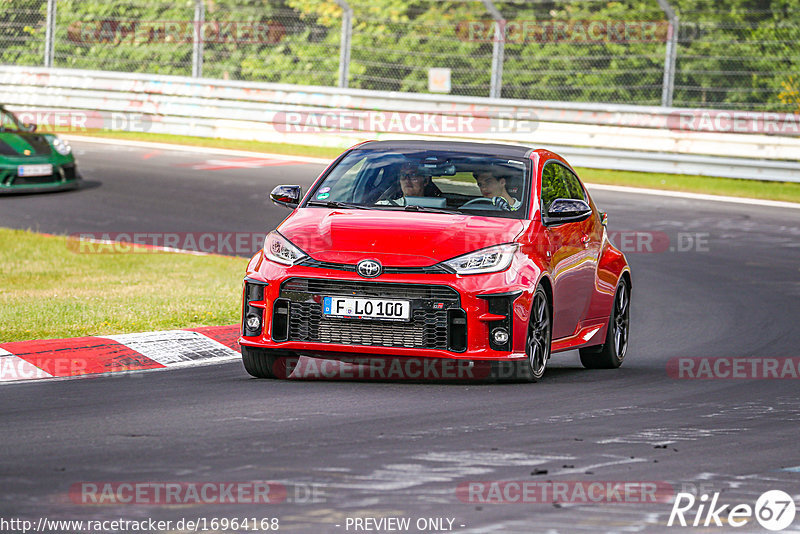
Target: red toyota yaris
(445,250)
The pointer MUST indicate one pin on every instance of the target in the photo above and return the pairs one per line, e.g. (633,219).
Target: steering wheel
(480,203)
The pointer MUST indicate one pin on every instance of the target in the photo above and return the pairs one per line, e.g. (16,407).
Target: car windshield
(426,180)
(8,123)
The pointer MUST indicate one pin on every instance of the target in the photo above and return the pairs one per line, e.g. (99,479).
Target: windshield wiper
(415,207)
(348,205)
(340,205)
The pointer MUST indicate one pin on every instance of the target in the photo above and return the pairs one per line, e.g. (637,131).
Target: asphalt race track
(356,449)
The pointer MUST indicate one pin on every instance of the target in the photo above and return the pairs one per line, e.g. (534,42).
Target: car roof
(494,149)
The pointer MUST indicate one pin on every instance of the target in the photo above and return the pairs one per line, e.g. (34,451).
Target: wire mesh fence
(724,54)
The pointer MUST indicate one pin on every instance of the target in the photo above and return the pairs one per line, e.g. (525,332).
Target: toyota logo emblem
(369,268)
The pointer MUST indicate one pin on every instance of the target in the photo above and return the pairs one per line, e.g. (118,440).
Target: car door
(573,249)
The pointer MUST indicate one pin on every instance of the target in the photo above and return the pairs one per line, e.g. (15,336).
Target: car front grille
(427,329)
(31,180)
(389,290)
(437,321)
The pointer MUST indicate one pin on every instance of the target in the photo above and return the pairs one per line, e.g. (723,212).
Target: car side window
(559,182)
(572,184)
(7,123)
(552,185)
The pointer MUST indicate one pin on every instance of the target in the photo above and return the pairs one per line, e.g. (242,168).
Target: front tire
(537,346)
(259,363)
(611,354)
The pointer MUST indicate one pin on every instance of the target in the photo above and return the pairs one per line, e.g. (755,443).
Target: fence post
(671,56)
(50,33)
(498,49)
(344,46)
(197,45)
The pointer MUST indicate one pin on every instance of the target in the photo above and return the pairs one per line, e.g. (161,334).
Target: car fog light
(253,322)
(500,336)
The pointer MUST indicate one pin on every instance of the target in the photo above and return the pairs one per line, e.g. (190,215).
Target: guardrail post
(50,33)
(671,55)
(498,49)
(197,45)
(344,47)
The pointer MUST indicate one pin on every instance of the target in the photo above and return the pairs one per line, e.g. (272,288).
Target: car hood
(395,238)
(16,143)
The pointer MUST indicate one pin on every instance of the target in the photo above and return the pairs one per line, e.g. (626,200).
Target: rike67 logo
(774,510)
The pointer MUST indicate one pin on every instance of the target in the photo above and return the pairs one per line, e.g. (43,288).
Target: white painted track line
(324,161)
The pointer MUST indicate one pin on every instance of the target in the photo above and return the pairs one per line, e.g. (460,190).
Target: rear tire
(259,362)
(611,354)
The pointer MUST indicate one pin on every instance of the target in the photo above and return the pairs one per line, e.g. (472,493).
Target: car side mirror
(29,127)
(287,195)
(564,210)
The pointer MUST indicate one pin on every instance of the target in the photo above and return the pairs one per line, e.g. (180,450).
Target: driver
(412,184)
(494,188)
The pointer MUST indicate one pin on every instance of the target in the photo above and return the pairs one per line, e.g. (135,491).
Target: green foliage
(733,53)
(791,93)
(22,29)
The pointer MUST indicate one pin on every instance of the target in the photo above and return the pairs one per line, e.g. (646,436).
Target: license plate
(35,170)
(355,308)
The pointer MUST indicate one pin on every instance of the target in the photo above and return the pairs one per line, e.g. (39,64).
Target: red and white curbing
(82,356)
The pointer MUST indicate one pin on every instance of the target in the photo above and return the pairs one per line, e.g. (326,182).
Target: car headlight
(280,250)
(61,146)
(485,260)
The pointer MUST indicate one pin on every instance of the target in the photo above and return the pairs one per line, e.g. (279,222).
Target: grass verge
(786,191)
(232,144)
(52,291)
(731,187)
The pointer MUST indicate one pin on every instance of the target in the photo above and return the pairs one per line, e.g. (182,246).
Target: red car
(444,250)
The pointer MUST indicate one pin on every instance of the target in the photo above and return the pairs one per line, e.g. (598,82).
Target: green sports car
(31,161)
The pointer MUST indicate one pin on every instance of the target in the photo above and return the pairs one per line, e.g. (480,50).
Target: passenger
(494,187)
